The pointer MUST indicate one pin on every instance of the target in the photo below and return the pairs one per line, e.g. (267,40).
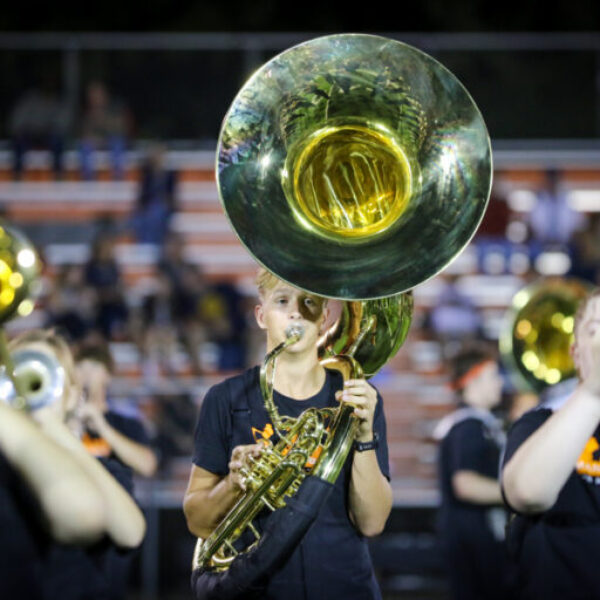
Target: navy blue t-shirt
(333,559)
(32,565)
(23,540)
(558,552)
(472,534)
(128,426)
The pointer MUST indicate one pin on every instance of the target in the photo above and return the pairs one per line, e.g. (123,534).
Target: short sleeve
(379,427)
(522,429)
(467,447)
(213,432)
(129,427)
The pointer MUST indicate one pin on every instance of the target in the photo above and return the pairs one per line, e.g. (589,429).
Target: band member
(332,559)
(61,508)
(471,518)
(109,433)
(551,479)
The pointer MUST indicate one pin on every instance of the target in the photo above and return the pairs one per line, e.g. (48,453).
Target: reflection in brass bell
(371,331)
(354,166)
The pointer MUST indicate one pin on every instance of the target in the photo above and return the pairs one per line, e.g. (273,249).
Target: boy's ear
(260,316)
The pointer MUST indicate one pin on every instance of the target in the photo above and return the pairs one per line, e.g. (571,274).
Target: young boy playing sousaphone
(332,558)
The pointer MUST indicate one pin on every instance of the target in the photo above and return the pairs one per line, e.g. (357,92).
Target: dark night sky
(274,15)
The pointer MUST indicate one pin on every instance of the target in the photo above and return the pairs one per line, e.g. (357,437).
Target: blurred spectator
(39,119)
(454,317)
(173,262)
(156,330)
(156,198)
(552,220)
(71,303)
(187,288)
(170,417)
(103,275)
(223,314)
(586,251)
(105,124)
(169,315)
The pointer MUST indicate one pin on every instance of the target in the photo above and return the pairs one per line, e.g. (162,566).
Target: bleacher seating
(60,214)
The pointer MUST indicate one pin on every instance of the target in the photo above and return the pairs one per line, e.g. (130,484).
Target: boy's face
(93,378)
(485,390)
(582,350)
(285,305)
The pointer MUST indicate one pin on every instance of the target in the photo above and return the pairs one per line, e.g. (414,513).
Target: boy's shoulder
(231,387)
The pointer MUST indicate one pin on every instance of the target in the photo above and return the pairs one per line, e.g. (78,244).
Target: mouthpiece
(294,331)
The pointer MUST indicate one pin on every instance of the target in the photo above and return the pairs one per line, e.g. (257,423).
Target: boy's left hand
(364,397)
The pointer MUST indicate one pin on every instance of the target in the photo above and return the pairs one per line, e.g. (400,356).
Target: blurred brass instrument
(354,167)
(537,333)
(38,377)
(19,274)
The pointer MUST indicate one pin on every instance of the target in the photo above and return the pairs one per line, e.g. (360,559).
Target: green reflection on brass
(371,331)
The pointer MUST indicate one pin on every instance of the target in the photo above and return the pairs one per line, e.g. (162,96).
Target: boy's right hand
(240,458)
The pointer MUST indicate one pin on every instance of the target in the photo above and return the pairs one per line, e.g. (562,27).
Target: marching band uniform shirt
(32,565)
(22,540)
(558,551)
(333,558)
(472,535)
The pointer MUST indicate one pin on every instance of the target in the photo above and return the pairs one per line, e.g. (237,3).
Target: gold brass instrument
(39,377)
(19,271)
(538,332)
(353,167)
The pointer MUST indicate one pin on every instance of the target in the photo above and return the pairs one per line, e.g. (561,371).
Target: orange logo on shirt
(97,447)
(586,463)
(266,434)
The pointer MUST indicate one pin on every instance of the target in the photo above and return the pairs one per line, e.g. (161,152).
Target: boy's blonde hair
(265,281)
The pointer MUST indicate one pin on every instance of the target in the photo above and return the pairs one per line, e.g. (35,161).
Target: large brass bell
(354,166)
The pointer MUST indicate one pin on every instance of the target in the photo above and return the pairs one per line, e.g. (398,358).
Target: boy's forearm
(137,456)
(534,476)
(67,495)
(205,508)
(370,495)
(470,486)
(125,523)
